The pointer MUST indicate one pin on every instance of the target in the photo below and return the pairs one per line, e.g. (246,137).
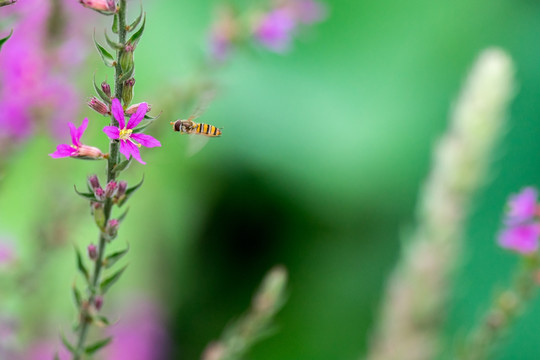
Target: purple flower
(275,30)
(77,149)
(129,142)
(521,238)
(140,335)
(7,253)
(522,206)
(308,11)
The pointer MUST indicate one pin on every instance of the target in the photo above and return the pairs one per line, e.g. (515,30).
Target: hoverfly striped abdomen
(207,130)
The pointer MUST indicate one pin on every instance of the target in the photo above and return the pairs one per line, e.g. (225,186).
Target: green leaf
(3,40)
(77,296)
(127,74)
(107,58)
(114,27)
(91,349)
(130,192)
(67,344)
(100,92)
(80,265)
(101,321)
(87,196)
(115,45)
(143,127)
(122,165)
(108,282)
(136,22)
(56,357)
(114,257)
(123,216)
(134,39)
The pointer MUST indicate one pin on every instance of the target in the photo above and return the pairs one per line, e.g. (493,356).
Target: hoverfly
(190,127)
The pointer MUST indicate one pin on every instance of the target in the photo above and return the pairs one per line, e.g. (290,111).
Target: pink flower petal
(73,132)
(134,150)
(136,118)
(118,113)
(146,140)
(112,132)
(521,238)
(522,206)
(62,151)
(81,130)
(125,149)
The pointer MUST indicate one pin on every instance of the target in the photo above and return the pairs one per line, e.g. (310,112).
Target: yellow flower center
(125,134)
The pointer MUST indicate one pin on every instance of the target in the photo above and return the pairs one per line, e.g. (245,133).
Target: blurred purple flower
(45,350)
(7,253)
(521,238)
(308,11)
(522,206)
(223,33)
(129,142)
(140,334)
(275,30)
(35,90)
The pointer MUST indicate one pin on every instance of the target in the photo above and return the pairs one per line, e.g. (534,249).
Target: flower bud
(93,181)
(106,6)
(127,91)
(92,252)
(90,152)
(133,109)
(110,189)
(98,106)
(112,228)
(126,57)
(106,88)
(98,302)
(99,216)
(122,187)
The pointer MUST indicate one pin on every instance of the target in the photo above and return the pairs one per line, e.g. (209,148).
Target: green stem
(502,314)
(112,161)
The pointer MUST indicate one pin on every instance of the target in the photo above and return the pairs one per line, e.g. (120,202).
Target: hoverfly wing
(204,102)
(195,144)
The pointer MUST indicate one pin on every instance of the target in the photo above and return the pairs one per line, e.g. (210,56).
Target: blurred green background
(322,157)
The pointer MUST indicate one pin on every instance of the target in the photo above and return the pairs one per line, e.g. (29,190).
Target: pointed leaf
(107,58)
(67,344)
(114,257)
(123,216)
(91,349)
(100,92)
(115,45)
(80,265)
(87,196)
(101,321)
(77,296)
(108,282)
(122,165)
(134,39)
(130,192)
(136,22)
(3,40)
(142,127)
(114,27)
(148,117)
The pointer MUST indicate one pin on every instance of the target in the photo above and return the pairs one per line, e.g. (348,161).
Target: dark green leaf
(114,257)
(127,74)
(108,282)
(80,265)
(67,344)
(101,321)
(100,92)
(77,296)
(122,166)
(134,39)
(3,40)
(148,117)
(130,192)
(115,24)
(87,196)
(107,58)
(115,45)
(136,22)
(91,349)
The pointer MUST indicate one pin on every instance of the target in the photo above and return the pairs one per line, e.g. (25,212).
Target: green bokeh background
(323,155)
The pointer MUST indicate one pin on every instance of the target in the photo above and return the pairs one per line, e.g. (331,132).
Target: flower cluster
(273,29)
(522,223)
